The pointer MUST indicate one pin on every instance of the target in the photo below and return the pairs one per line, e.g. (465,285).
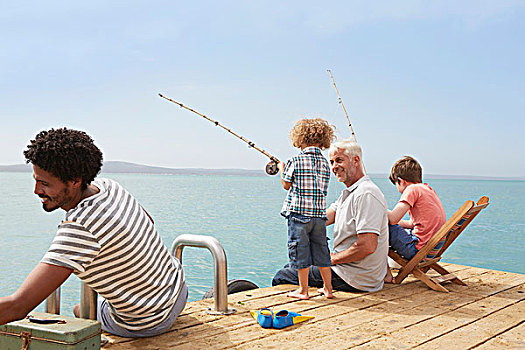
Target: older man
(359,259)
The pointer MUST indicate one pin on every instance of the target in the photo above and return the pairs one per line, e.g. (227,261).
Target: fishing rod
(271,167)
(344,109)
(347,118)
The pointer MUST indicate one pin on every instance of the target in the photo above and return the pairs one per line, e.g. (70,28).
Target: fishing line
(342,105)
(271,167)
(346,114)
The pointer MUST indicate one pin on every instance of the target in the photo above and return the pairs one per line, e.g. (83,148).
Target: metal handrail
(52,305)
(88,302)
(220,288)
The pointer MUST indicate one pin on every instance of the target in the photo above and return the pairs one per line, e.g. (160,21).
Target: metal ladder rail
(88,302)
(220,288)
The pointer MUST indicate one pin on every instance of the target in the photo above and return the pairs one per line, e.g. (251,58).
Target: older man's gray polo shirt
(361,208)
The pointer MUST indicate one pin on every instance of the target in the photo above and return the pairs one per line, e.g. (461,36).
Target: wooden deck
(488,313)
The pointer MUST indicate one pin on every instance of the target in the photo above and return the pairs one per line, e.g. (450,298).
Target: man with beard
(107,239)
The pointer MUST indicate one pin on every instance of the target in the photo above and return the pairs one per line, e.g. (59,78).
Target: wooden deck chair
(428,257)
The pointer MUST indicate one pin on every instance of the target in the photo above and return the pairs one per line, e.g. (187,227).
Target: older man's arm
(365,245)
(330,215)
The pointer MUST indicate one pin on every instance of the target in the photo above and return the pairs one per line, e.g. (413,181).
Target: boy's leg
(321,255)
(299,227)
(402,241)
(299,251)
(326,274)
(302,291)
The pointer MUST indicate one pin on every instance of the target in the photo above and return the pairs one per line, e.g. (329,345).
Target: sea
(242,212)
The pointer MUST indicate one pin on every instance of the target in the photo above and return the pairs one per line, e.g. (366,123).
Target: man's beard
(62,198)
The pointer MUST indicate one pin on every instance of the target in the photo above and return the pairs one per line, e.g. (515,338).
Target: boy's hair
(408,169)
(309,132)
(349,147)
(67,154)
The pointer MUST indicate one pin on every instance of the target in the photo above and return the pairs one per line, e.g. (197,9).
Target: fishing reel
(272,168)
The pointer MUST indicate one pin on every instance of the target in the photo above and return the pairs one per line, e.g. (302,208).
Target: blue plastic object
(284,318)
(264,318)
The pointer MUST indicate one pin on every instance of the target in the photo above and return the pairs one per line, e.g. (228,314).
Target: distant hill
(133,168)
(126,167)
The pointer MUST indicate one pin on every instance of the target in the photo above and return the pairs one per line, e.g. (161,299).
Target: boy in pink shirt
(421,202)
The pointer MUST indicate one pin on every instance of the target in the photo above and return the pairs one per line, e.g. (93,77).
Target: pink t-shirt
(426,211)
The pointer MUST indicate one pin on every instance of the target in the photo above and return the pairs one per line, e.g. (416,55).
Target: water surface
(243,214)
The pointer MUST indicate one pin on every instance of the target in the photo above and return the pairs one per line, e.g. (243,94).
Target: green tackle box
(75,333)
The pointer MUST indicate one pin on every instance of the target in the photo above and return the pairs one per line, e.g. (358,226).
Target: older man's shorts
(307,242)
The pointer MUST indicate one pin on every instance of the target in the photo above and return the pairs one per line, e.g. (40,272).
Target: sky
(441,81)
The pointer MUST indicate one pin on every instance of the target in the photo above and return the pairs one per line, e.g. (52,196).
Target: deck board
(488,312)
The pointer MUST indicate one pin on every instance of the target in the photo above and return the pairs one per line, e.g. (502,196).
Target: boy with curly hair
(306,177)
(423,205)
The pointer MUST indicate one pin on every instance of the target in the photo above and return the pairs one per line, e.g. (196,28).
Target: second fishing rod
(271,167)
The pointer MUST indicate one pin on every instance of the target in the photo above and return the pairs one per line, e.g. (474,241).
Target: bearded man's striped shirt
(112,245)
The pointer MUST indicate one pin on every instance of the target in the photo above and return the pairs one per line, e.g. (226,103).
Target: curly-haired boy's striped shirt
(309,173)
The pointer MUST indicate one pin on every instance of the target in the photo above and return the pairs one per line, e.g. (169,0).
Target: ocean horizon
(123,167)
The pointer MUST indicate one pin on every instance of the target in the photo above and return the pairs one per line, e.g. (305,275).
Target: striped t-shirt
(111,244)
(309,173)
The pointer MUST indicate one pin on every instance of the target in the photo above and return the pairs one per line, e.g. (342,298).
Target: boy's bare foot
(388,277)
(328,294)
(297,294)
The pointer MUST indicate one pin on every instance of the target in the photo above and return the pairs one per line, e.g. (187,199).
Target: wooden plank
(444,278)
(479,331)
(437,325)
(187,318)
(513,338)
(322,328)
(398,319)
(197,328)
(428,262)
(242,327)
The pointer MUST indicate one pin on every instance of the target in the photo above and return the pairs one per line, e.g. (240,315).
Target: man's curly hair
(67,154)
(309,132)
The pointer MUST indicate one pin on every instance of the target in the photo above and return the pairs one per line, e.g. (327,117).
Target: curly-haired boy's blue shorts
(307,242)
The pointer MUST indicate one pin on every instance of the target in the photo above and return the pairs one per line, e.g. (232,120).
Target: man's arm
(41,282)
(365,245)
(330,214)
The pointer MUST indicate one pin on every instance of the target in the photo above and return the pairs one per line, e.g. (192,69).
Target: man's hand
(40,283)
(332,257)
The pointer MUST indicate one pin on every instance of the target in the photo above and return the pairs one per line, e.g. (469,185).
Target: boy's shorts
(403,241)
(307,242)
(108,325)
